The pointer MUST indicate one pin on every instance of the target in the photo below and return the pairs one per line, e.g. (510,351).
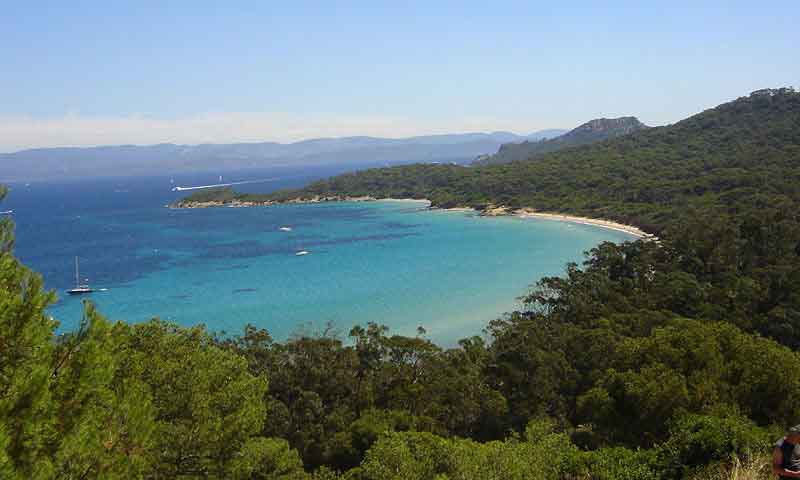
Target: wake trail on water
(182,189)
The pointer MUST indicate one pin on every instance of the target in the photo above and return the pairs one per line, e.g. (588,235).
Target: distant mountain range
(49,163)
(590,132)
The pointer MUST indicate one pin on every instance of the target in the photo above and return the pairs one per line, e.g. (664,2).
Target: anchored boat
(80,288)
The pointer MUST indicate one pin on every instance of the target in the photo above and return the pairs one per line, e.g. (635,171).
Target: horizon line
(276,142)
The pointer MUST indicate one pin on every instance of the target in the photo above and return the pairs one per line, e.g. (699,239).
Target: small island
(227,197)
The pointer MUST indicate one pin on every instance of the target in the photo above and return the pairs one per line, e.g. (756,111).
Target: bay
(394,263)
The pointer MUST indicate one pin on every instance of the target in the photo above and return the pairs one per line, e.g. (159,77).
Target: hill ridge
(594,130)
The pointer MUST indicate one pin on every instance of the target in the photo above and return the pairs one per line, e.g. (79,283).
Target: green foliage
(65,412)
(721,188)
(27,414)
(104,420)
(410,456)
(209,408)
(223,194)
(661,359)
(699,440)
(725,159)
(639,335)
(332,401)
(266,459)
(617,463)
(347,448)
(588,133)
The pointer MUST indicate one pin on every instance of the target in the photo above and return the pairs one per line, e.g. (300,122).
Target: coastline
(236,203)
(529,213)
(490,211)
(597,222)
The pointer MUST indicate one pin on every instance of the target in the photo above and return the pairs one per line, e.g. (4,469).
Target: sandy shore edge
(620,227)
(528,213)
(491,211)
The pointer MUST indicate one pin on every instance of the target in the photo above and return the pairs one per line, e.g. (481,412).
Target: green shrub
(618,463)
(541,455)
(698,440)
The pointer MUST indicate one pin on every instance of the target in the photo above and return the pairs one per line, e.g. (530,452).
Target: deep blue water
(393,263)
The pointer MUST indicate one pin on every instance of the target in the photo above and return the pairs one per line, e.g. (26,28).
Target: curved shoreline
(491,211)
(620,227)
(529,213)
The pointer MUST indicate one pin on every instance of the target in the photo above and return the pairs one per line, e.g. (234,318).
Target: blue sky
(87,73)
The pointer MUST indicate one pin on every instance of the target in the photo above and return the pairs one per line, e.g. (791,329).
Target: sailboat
(300,252)
(297,252)
(79,289)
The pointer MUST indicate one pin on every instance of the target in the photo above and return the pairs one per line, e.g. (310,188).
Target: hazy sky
(88,73)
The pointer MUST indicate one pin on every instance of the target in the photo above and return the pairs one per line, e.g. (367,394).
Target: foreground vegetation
(649,361)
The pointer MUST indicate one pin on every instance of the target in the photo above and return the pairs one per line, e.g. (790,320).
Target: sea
(395,263)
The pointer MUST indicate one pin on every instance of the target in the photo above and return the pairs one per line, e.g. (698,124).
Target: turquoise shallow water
(386,262)
(392,262)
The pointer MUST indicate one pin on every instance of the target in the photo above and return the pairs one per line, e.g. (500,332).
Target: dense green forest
(725,159)
(651,360)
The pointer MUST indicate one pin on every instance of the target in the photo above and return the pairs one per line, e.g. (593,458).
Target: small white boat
(7,212)
(285,229)
(301,253)
(79,289)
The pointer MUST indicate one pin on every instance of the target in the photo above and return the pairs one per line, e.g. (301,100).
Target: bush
(698,440)
(618,464)
(542,455)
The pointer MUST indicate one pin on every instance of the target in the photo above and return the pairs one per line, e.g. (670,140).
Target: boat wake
(216,185)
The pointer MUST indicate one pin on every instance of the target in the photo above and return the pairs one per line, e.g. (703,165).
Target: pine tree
(26,348)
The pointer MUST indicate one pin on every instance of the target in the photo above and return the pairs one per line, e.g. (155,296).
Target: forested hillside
(651,360)
(590,132)
(743,153)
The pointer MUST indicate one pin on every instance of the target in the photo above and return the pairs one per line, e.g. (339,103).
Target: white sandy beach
(630,229)
(530,213)
(492,211)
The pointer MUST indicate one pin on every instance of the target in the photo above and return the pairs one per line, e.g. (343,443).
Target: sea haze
(133,160)
(393,263)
